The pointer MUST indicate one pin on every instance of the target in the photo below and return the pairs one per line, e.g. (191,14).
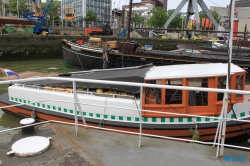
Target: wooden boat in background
(89,56)
(117,106)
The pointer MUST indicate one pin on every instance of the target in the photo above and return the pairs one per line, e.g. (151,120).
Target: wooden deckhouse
(191,102)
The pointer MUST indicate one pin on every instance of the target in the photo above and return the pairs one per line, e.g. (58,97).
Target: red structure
(236,23)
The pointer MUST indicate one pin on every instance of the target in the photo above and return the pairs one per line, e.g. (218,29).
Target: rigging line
(224,2)
(104,111)
(214,3)
(118,5)
(247,133)
(79,60)
(223,8)
(137,105)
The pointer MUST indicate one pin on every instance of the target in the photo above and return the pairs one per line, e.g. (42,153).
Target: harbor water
(44,66)
(39,66)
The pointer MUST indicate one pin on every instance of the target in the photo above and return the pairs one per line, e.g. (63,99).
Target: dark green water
(48,66)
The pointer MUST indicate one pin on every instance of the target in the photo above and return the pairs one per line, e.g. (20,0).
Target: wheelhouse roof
(191,71)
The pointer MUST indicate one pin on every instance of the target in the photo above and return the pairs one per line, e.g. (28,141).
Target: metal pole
(182,22)
(17,9)
(114,18)
(76,119)
(110,18)
(4,8)
(220,128)
(129,20)
(228,77)
(141,90)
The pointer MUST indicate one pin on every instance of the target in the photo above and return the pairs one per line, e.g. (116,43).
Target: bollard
(29,129)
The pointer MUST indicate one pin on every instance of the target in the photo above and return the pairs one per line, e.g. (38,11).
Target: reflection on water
(8,121)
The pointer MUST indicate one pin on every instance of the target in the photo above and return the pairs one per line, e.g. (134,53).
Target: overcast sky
(172,4)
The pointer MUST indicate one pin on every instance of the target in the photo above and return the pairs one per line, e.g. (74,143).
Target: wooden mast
(129,20)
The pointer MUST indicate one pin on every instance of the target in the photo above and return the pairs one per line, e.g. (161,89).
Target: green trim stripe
(242,114)
(131,119)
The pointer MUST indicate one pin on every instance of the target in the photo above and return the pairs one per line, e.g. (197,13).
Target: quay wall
(28,47)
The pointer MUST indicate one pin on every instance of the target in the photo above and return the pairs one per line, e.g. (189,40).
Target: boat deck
(96,147)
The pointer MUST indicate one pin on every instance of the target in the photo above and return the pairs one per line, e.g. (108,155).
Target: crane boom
(37,8)
(40,19)
(47,7)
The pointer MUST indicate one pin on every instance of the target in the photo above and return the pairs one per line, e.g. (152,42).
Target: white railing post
(76,119)
(219,130)
(77,104)
(140,111)
(224,124)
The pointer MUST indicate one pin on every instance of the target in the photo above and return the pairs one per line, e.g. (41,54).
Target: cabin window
(239,82)
(153,95)
(198,98)
(174,96)
(221,85)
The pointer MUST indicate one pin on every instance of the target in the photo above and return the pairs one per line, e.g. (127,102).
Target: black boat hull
(85,57)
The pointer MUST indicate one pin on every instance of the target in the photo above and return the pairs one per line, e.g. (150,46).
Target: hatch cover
(30,146)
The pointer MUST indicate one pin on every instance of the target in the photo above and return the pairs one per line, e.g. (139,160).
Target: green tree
(90,16)
(1,3)
(158,18)
(176,22)
(12,6)
(53,9)
(137,19)
(52,14)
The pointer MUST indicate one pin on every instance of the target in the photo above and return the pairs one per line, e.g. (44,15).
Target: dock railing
(141,85)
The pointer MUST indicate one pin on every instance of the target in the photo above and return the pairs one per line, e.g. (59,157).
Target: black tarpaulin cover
(135,74)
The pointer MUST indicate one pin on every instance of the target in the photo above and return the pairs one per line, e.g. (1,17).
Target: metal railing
(141,85)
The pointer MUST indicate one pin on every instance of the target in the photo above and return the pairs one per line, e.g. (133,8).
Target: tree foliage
(137,19)
(176,22)
(158,18)
(214,13)
(90,16)
(53,9)
(1,3)
(12,6)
